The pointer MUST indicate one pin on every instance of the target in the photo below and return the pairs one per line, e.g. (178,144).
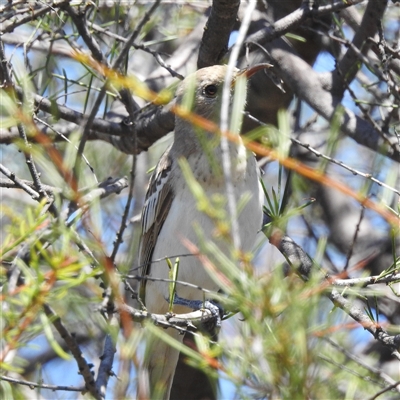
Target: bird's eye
(211,90)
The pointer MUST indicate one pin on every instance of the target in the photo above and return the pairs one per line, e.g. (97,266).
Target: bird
(170,211)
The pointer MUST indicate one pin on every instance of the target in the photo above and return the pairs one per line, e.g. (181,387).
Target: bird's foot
(216,310)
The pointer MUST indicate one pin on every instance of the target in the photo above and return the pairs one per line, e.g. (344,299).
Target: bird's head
(202,90)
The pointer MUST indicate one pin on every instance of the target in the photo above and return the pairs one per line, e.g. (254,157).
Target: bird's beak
(248,72)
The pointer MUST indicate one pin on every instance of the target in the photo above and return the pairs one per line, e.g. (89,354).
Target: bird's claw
(216,310)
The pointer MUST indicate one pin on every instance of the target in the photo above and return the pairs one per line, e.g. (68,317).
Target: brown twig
(33,385)
(84,368)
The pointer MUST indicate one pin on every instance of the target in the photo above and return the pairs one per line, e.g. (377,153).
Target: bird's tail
(161,360)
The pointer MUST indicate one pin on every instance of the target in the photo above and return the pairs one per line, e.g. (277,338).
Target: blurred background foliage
(63,260)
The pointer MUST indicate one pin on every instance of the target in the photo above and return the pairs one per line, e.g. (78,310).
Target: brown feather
(158,215)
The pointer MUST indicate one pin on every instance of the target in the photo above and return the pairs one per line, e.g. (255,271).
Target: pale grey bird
(170,211)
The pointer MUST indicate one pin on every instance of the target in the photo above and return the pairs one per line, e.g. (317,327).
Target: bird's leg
(216,310)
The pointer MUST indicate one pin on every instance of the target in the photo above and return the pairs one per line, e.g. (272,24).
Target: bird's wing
(157,204)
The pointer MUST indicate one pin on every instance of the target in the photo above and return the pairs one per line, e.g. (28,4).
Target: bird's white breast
(178,227)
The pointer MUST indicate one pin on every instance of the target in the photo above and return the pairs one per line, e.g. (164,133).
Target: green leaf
(295,37)
(173,276)
(239,101)
(50,337)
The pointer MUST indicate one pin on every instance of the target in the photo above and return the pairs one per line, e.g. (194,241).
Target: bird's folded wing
(155,210)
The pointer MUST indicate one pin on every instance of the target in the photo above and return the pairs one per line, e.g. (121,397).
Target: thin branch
(295,19)
(33,385)
(104,189)
(125,216)
(155,54)
(52,47)
(20,183)
(311,87)
(385,390)
(303,265)
(180,322)
(45,45)
(345,166)
(388,380)
(331,159)
(348,67)
(6,78)
(107,359)
(125,96)
(79,20)
(62,112)
(370,280)
(392,342)
(369,118)
(134,35)
(355,236)
(182,283)
(10,24)
(131,108)
(84,368)
(65,138)
(360,55)
(12,184)
(351,371)
(151,123)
